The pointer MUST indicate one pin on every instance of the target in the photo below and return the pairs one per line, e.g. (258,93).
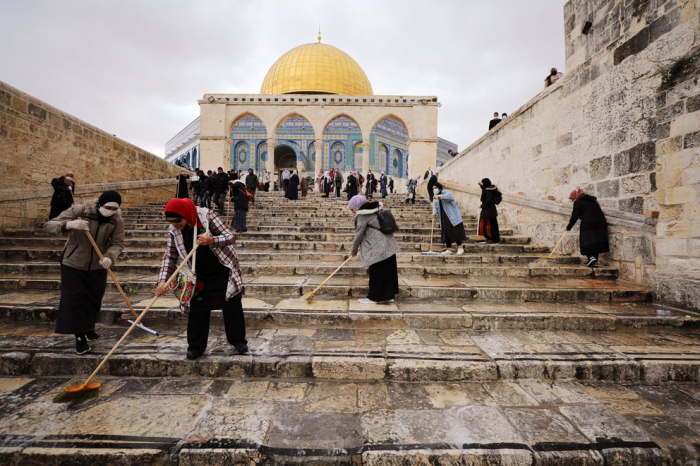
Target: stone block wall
(622,124)
(39,142)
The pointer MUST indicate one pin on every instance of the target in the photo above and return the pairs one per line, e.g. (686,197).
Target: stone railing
(22,208)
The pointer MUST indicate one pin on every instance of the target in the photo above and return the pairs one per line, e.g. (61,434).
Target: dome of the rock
(316,69)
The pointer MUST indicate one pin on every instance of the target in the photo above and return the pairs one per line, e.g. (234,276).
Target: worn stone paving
(198,420)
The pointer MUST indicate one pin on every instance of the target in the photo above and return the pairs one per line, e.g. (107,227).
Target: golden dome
(316,69)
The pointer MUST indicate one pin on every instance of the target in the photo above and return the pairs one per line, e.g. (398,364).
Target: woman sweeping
(293,187)
(83,274)
(451,225)
(219,278)
(240,206)
(63,189)
(378,252)
(593,237)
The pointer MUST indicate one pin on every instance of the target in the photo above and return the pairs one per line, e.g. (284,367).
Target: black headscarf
(105,197)
(486,182)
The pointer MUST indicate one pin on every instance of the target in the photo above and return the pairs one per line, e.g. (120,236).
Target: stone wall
(623,123)
(39,142)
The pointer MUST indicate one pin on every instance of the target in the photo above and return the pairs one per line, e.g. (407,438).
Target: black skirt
(451,233)
(383,280)
(212,277)
(81,299)
(594,241)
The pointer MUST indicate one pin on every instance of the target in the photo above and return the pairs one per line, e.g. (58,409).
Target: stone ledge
(14,195)
(614,217)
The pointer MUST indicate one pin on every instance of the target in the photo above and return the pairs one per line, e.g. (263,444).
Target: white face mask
(436,191)
(106,212)
(69,178)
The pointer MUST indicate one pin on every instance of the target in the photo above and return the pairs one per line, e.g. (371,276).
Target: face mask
(106,212)
(436,191)
(69,178)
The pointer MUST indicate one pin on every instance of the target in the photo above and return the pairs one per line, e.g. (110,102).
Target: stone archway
(285,159)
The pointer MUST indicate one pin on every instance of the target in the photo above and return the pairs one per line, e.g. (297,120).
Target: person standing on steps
(220,187)
(411,187)
(382,185)
(196,186)
(369,189)
(83,274)
(267,177)
(432,180)
(219,278)
(251,182)
(391,185)
(240,206)
(285,181)
(338,182)
(378,252)
(304,184)
(488,222)
(293,187)
(207,190)
(182,192)
(451,225)
(63,189)
(593,235)
(351,185)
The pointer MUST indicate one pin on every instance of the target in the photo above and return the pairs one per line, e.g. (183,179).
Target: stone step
(404,355)
(415,314)
(243,241)
(335,422)
(316,268)
(538,289)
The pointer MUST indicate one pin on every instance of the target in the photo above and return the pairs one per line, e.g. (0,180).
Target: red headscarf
(184,208)
(576,194)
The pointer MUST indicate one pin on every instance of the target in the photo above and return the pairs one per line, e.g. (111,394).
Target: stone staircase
(497,356)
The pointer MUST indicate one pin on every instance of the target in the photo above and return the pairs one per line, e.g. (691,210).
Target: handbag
(184,285)
(249,194)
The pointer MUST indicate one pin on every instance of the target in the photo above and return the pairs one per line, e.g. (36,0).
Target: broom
(309,297)
(477,237)
(430,251)
(116,283)
(87,389)
(551,254)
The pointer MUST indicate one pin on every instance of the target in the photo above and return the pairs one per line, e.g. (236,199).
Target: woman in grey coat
(378,252)
(83,274)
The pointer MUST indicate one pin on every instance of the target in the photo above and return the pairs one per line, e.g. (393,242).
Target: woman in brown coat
(304,187)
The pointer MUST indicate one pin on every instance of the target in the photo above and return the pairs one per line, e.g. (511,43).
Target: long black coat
(293,187)
(593,237)
(240,200)
(351,186)
(182,192)
(488,204)
(62,197)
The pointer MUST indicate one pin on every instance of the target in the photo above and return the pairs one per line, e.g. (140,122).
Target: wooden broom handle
(560,240)
(139,318)
(331,275)
(109,271)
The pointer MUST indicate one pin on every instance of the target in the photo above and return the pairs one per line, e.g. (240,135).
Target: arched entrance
(285,159)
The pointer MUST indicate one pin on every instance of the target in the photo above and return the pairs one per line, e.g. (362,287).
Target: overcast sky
(135,68)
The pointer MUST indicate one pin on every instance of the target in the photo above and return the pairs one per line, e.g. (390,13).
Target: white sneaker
(460,251)
(366,301)
(446,252)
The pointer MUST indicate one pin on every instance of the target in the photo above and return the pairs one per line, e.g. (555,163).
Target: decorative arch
(340,134)
(337,155)
(388,135)
(397,162)
(240,159)
(260,155)
(246,115)
(339,115)
(357,156)
(380,118)
(382,157)
(280,121)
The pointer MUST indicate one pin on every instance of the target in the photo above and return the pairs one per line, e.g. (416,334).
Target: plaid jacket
(224,240)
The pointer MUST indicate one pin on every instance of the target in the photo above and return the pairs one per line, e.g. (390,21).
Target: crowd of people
(194,223)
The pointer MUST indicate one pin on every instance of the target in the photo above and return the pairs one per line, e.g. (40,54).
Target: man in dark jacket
(494,121)
(251,182)
(338,182)
(488,223)
(206,190)
(351,185)
(593,236)
(220,187)
(371,183)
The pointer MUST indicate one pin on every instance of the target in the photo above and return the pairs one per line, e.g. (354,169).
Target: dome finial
(319,33)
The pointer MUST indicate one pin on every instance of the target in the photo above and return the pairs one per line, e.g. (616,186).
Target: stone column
(270,163)
(422,153)
(365,158)
(318,164)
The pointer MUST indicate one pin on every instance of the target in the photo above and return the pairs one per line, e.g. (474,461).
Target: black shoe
(241,348)
(82,346)
(92,336)
(592,262)
(194,354)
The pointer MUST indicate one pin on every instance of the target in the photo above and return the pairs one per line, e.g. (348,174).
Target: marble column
(365,158)
(318,164)
(270,163)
